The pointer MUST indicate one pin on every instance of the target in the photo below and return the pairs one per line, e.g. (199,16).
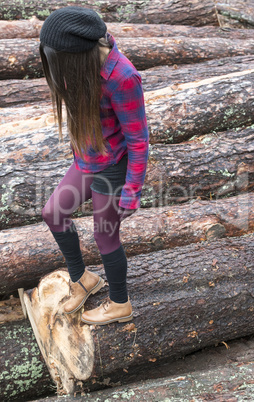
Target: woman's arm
(128,104)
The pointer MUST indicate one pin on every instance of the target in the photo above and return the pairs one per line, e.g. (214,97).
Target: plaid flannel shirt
(124,126)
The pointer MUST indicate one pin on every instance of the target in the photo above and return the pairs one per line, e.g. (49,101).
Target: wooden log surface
(20,29)
(201,369)
(237,13)
(200,107)
(31,29)
(208,167)
(160,77)
(26,251)
(184,12)
(231,381)
(19,58)
(15,92)
(211,282)
(26,117)
(10,310)
(145,53)
(174,113)
(23,372)
(36,146)
(44,146)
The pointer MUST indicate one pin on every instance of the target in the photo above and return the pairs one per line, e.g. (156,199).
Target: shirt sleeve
(128,104)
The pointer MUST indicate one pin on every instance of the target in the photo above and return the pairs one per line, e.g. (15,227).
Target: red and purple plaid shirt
(124,125)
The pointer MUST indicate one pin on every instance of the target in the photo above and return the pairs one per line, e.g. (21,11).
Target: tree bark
(150,52)
(233,380)
(175,113)
(236,13)
(180,50)
(24,374)
(19,58)
(20,29)
(16,92)
(184,12)
(26,117)
(10,310)
(41,145)
(205,167)
(216,298)
(26,251)
(230,382)
(212,166)
(163,76)
(31,29)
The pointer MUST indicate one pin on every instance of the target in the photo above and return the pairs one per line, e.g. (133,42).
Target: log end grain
(67,347)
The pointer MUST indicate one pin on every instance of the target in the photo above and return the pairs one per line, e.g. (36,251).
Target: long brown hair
(75,79)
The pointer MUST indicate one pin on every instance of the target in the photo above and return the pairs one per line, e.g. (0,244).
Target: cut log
(178,112)
(31,28)
(20,29)
(236,13)
(36,146)
(180,50)
(202,368)
(145,53)
(160,77)
(230,382)
(24,374)
(209,167)
(19,58)
(26,251)
(211,282)
(28,117)
(14,92)
(184,12)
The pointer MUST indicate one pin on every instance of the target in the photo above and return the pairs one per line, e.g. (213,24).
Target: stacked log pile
(190,247)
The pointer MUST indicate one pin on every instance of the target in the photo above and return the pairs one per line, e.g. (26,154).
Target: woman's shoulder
(123,70)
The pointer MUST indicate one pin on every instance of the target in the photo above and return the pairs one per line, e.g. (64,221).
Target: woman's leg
(72,191)
(106,234)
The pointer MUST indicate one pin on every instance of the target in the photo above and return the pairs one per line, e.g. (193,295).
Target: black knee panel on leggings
(115,264)
(68,243)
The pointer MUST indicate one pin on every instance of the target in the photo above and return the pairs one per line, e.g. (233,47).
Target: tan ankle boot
(88,284)
(108,312)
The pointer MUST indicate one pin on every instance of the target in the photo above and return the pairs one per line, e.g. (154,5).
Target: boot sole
(94,290)
(123,319)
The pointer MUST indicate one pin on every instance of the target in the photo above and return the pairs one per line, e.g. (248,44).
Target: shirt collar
(112,58)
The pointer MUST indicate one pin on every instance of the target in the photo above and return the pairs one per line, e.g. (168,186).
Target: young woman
(106,121)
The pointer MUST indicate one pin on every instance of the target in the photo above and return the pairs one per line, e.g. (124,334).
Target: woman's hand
(124,213)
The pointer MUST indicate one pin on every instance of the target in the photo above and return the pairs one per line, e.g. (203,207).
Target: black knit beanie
(72,29)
